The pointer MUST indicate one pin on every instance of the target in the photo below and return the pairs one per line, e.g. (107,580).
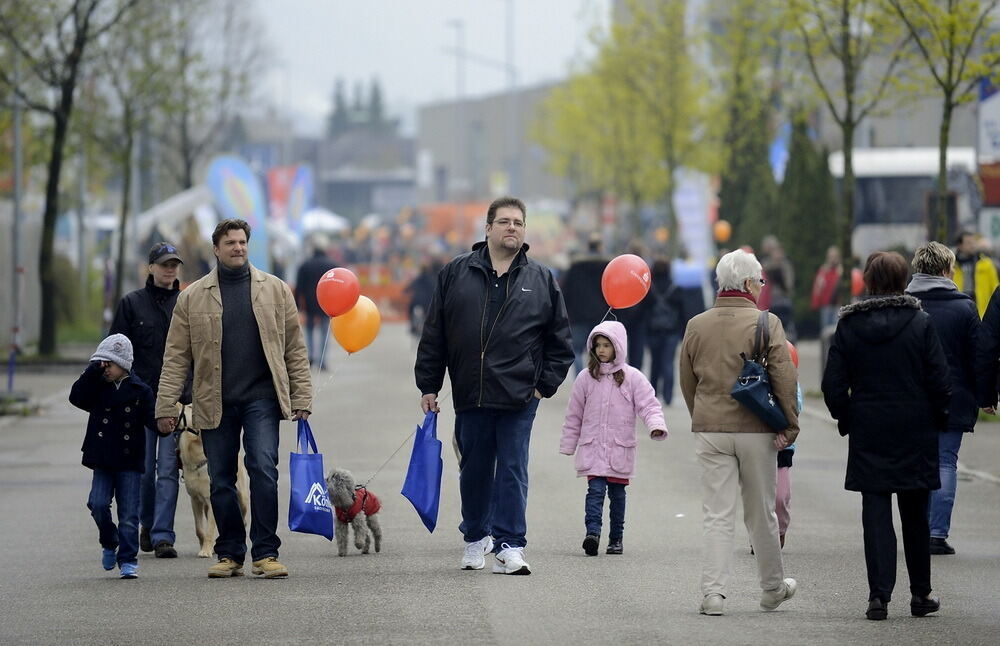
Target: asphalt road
(53,589)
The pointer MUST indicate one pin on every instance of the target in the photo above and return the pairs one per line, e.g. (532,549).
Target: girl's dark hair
(885,273)
(594,364)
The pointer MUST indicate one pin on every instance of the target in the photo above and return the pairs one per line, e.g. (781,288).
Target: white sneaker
(771,599)
(510,560)
(475,553)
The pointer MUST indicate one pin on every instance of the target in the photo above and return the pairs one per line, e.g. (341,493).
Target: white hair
(735,268)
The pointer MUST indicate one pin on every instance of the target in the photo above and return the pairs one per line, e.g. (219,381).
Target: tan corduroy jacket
(710,362)
(195,338)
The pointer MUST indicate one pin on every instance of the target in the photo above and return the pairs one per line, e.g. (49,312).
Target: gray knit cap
(117,349)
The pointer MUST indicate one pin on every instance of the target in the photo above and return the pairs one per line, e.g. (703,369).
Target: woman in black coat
(886,383)
(956,320)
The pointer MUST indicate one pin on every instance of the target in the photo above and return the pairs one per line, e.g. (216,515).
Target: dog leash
(412,433)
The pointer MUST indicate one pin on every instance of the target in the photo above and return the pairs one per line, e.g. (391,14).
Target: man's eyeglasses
(504,223)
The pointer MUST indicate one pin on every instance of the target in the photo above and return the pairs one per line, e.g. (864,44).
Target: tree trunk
(939,230)
(847,207)
(123,219)
(46,256)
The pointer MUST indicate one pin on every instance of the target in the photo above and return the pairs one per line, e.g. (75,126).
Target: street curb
(7,420)
(964,470)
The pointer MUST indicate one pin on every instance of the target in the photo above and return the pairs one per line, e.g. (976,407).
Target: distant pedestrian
(886,383)
(585,305)
(975,272)
(497,325)
(826,291)
(144,317)
(735,448)
(778,291)
(309,274)
(421,290)
(664,328)
(956,321)
(120,407)
(600,429)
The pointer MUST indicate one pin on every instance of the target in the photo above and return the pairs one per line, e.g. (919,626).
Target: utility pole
(18,274)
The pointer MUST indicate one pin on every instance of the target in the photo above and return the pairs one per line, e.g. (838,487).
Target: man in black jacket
(498,324)
(144,317)
(581,286)
(309,275)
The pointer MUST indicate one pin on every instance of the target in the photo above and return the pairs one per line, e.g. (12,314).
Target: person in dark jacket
(887,385)
(420,290)
(497,323)
(309,274)
(120,406)
(956,320)
(144,317)
(663,328)
(585,305)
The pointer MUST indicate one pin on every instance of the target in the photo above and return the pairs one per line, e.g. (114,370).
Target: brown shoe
(225,568)
(269,568)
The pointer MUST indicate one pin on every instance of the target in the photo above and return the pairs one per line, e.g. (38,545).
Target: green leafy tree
(853,49)
(376,108)
(958,47)
(51,39)
(337,120)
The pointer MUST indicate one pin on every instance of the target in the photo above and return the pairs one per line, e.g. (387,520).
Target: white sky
(403,43)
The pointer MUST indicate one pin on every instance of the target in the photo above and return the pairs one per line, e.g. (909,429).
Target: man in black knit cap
(239,327)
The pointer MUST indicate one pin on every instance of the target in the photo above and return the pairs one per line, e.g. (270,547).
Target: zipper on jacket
(482,353)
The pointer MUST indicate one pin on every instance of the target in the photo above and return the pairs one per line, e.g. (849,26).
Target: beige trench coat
(710,362)
(195,338)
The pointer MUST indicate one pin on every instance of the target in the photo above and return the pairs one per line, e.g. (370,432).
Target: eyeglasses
(505,222)
(761,281)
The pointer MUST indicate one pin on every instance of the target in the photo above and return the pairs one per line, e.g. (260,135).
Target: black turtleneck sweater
(246,377)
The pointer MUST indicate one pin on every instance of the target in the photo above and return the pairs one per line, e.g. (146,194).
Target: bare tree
(51,38)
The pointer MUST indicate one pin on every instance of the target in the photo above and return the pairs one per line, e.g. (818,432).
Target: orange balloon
(356,329)
(722,231)
(337,291)
(625,281)
(794,352)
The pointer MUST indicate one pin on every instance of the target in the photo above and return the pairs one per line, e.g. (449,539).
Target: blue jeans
(943,499)
(596,489)
(158,487)
(259,422)
(663,350)
(579,334)
(123,486)
(493,479)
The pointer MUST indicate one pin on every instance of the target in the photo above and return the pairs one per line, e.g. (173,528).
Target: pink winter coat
(600,419)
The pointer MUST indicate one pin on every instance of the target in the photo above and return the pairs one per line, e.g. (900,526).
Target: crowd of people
(910,363)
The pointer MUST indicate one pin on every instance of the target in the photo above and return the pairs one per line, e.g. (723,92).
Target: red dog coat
(364,500)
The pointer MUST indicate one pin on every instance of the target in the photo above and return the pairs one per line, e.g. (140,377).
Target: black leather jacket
(494,365)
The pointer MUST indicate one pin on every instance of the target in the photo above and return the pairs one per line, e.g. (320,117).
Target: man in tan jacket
(239,329)
(736,450)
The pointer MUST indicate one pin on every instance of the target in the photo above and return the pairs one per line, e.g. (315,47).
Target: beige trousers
(734,465)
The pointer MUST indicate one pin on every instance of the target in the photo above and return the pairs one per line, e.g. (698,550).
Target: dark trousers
(596,489)
(258,421)
(880,541)
(493,476)
(663,350)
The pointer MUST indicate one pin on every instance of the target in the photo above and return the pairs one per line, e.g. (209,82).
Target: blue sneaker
(130,570)
(109,557)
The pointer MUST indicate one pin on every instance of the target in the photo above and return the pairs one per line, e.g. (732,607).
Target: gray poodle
(354,506)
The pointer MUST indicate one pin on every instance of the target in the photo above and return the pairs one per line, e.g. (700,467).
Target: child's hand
(658,434)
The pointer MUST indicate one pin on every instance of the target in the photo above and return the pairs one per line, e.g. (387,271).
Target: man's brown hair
(230,224)
(505,202)
(885,273)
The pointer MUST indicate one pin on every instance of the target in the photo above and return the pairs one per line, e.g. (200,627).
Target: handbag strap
(762,338)
(306,440)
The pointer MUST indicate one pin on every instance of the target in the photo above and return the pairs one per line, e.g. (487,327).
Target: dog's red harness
(364,500)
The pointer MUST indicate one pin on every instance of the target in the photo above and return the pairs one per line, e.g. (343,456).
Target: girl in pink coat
(600,429)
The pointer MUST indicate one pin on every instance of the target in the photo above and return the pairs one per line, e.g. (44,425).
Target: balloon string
(605,317)
(333,373)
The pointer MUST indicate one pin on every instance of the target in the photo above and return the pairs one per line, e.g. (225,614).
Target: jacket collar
(873,303)
(734,301)
(481,256)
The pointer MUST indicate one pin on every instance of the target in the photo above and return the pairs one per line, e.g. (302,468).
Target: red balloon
(625,281)
(794,352)
(337,291)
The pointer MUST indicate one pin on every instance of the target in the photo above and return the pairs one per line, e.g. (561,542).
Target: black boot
(591,543)
(614,546)
(940,546)
(877,611)
(922,606)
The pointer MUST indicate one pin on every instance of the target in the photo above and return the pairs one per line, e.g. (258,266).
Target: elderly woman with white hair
(735,448)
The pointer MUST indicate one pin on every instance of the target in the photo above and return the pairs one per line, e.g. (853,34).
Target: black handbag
(753,386)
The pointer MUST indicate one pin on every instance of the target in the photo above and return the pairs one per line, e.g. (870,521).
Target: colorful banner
(989,122)
(238,194)
(279,185)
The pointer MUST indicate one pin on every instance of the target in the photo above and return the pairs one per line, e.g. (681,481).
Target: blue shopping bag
(309,508)
(422,486)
